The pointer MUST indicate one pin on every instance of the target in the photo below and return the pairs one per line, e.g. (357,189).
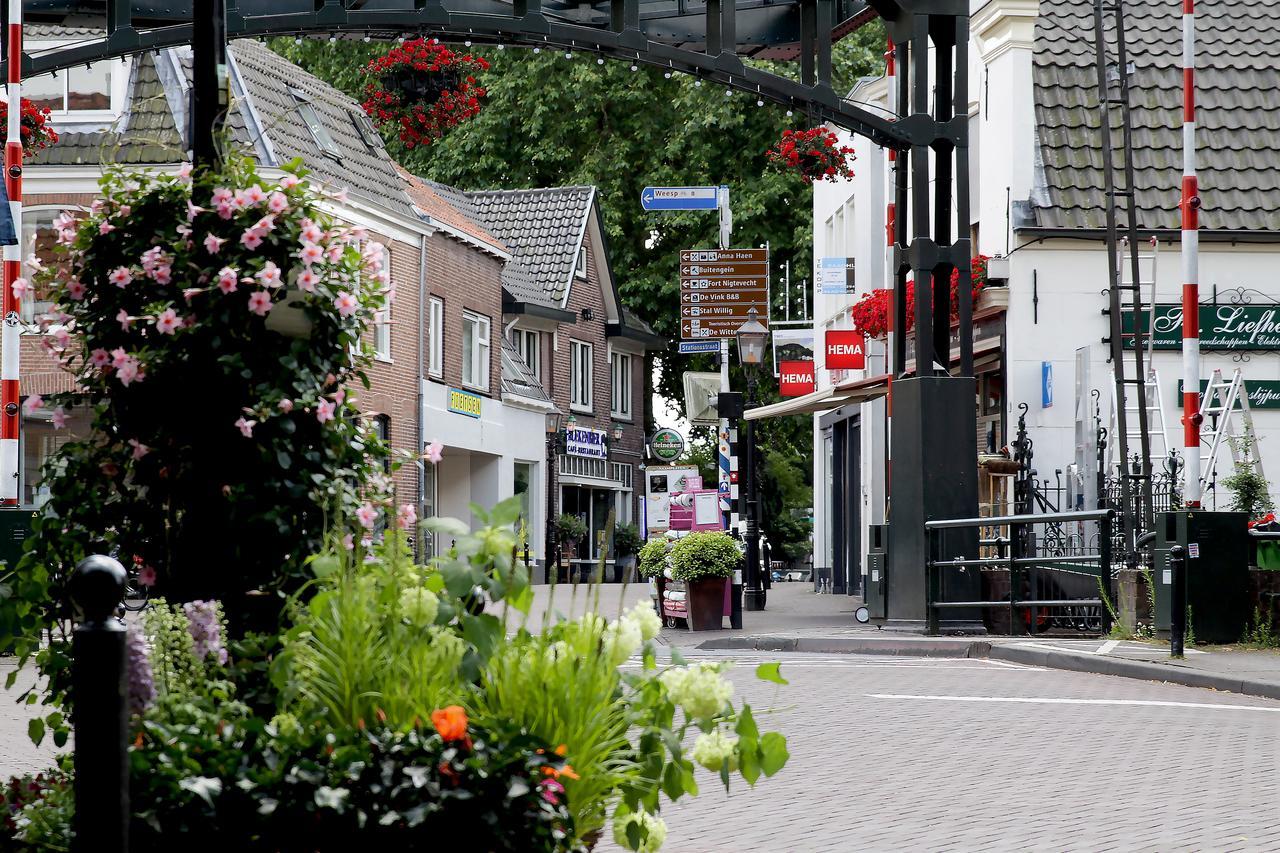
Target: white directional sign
(679,198)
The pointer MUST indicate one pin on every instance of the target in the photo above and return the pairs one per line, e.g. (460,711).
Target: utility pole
(11,336)
(208,79)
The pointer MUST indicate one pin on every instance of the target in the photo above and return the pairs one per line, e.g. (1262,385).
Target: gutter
(421,397)
(649,339)
(532,309)
(1166,235)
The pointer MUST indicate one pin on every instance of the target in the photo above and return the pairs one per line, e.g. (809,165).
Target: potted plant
(704,561)
(421,88)
(652,562)
(626,544)
(570,530)
(814,154)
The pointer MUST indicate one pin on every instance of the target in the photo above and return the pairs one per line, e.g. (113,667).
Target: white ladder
(1221,402)
(1157,433)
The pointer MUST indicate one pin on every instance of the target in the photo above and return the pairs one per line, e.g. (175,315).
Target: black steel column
(964,312)
(901,206)
(943,151)
(921,266)
(208,79)
(100,714)
(753,593)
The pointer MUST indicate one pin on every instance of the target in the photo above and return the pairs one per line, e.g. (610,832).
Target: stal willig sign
(1222,327)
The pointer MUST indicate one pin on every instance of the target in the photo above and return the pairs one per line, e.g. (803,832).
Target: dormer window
(83,91)
(582,262)
(311,118)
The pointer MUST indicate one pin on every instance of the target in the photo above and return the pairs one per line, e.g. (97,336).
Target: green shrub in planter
(626,541)
(701,556)
(570,528)
(653,558)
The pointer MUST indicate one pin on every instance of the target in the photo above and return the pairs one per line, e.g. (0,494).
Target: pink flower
(162,274)
(105,227)
(260,302)
(228,278)
(193,210)
(61,338)
(324,410)
(285,405)
(269,275)
(75,290)
(311,232)
(120,276)
(265,225)
(251,239)
(147,576)
(342,195)
(311,253)
(191,293)
(32,403)
(99,358)
(123,318)
(366,515)
(340,395)
(346,304)
(35,263)
(245,427)
(349,542)
(184,172)
(407,516)
(127,372)
(226,210)
(139,449)
(119,357)
(222,195)
(59,418)
(334,254)
(288,182)
(307,280)
(168,322)
(434,452)
(254,195)
(126,209)
(278,202)
(21,287)
(212,244)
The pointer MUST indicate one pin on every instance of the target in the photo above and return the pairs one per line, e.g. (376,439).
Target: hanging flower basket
(421,89)
(36,132)
(871,314)
(815,155)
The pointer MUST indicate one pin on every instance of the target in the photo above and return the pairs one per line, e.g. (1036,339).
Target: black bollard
(100,715)
(1177,600)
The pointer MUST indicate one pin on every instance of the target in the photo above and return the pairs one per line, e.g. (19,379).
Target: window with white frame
(77,91)
(580,375)
(620,368)
(475,351)
(435,338)
(528,344)
(39,239)
(382,320)
(582,262)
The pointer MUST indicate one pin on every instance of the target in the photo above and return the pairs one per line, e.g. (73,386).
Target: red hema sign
(796,378)
(846,350)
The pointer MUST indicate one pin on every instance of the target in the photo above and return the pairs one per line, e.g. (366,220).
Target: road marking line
(1106,647)
(1066,701)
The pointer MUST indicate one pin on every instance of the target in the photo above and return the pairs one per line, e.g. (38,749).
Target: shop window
(620,368)
(580,375)
(475,351)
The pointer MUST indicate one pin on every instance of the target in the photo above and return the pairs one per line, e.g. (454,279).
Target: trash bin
(874,581)
(1217,566)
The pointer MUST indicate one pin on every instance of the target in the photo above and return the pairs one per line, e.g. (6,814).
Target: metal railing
(1015,553)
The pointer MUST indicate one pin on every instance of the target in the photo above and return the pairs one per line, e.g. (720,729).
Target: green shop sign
(1222,327)
(667,445)
(1263,393)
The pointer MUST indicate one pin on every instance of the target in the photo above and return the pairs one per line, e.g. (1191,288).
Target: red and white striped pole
(1191,417)
(10,408)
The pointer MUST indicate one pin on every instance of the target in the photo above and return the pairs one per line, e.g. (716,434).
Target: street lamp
(751,342)
(555,441)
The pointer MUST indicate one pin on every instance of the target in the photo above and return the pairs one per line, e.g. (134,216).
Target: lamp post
(751,343)
(555,439)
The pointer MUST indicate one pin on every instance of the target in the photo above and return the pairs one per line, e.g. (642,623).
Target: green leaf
(458,578)
(483,632)
(771,672)
(332,798)
(284,460)
(435,582)
(204,787)
(677,659)
(672,781)
(773,753)
(453,527)
(746,727)
(35,730)
(325,565)
(749,761)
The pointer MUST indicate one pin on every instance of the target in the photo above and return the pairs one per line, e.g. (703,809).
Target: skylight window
(368,135)
(319,132)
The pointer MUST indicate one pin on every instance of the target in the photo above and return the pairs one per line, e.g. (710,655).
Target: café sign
(581,441)
(1222,327)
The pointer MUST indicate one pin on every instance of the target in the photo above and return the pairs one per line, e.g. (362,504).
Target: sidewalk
(798,620)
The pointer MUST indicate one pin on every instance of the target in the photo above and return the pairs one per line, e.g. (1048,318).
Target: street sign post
(680,198)
(718,290)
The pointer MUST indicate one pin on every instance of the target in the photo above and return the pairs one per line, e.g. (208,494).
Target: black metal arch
(708,39)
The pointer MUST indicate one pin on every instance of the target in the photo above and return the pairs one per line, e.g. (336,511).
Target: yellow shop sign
(464,403)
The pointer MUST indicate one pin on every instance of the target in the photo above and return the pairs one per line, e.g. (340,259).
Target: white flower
(621,639)
(699,690)
(646,619)
(419,605)
(713,749)
(653,831)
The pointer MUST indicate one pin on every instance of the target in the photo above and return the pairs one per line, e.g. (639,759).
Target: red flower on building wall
(815,155)
(872,313)
(422,89)
(36,132)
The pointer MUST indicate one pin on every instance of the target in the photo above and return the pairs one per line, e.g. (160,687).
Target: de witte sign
(846,350)
(667,445)
(1222,327)
(581,441)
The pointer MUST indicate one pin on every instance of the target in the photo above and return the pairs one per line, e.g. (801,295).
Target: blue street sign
(678,198)
(700,346)
(1046,384)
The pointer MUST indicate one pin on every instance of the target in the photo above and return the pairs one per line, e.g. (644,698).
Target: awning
(825,399)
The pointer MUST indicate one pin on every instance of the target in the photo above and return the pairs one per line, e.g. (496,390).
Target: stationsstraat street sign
(718,290)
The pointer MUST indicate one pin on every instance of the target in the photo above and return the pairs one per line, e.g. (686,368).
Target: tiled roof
(631,321)
(429,198)
(37,32)
(517,378)
(366,171)
(543,228)
(523,286)
(1238,116)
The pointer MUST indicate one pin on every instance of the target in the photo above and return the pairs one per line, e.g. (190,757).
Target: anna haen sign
(667,445)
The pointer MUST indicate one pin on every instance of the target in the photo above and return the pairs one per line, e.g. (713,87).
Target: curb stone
(963,648)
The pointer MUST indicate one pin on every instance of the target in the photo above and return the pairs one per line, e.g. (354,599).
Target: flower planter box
(706,604)
(993,297)
(675,604)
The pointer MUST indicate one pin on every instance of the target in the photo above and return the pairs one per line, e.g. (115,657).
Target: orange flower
(450,722)
(566,772)
(562,750)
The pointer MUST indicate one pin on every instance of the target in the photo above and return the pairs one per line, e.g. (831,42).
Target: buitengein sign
(465,403)
(667,445)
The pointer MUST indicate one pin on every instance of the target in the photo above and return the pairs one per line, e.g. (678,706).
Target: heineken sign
(1222,327)
(667,445)
(1262,393)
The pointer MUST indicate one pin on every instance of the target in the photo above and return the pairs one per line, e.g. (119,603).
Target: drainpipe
(422,398)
